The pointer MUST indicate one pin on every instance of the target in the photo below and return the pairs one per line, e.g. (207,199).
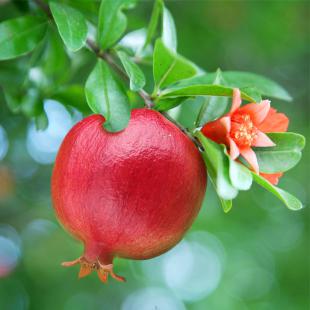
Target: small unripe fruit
(131,194)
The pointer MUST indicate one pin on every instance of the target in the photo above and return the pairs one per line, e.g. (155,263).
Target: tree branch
(183,129)
(110,60)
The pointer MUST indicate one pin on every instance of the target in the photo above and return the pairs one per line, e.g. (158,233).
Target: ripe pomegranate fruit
(130,194)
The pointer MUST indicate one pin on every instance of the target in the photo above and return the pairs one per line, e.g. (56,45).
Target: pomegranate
(131,194)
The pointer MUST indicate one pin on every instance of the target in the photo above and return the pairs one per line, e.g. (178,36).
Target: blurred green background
(255,257)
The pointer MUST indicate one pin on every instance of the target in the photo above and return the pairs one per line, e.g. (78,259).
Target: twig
(183,129)
(110,60)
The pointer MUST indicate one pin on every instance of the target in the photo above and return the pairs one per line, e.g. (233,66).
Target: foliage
(76,54)
(175,78)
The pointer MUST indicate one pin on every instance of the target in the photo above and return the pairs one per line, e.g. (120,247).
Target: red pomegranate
(131,194)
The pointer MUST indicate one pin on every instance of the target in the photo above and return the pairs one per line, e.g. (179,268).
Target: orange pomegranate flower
(245,127)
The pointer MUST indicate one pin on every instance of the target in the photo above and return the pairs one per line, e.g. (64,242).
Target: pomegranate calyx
(87,267)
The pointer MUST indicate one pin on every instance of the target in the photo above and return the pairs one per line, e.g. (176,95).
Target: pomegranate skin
(130,194)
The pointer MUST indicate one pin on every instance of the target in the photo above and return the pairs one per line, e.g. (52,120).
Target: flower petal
(103,276)
(233,149)
(262,140)
(272,178)
(274,122)
(85,270)
(257,111)
(236,100)
(250,156)
(225,121)
(217,130)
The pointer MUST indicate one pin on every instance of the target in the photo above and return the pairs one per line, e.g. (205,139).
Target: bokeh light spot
(192,270)
(43,145)
(4,143)
(9,250)
(152,298)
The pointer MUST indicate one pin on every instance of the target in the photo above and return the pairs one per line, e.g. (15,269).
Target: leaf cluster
(48,48)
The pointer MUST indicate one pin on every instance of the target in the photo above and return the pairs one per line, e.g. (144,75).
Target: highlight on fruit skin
(131,194)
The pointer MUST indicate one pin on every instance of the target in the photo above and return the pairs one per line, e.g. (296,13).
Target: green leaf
(20,36)
(136,76)
(55,59)
(169,34)
(201,90)
(169,67)
(112,21)
(88,8)
(32,103)
(289,200)
(252,92)
(74,96)
(13,73)
(226,205)
(41,121)
(133,44)
(71,25)
(213,107)
(105,96)
(217,161)
(252,84)
(282,157)
(13,102)
(169,103)
(263,85)
(240,176)
(157,9)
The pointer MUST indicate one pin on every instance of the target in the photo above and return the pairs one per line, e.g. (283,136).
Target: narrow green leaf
(136,76)
(88,8)
(252,92)
(263,85)
(31,103)
(133,42)
(112,21)
(288,199)
(12,100)
(282,157)
(169,103)
(71,25)
(41,121)
(169,33)
(157,9)
(201,90)
(13,73)
(213,107)
(226,205)
(105,96)
(253,84)
(240,176)
(217,161)
(55,59)
(20,36)
(169,67)
(225,187)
